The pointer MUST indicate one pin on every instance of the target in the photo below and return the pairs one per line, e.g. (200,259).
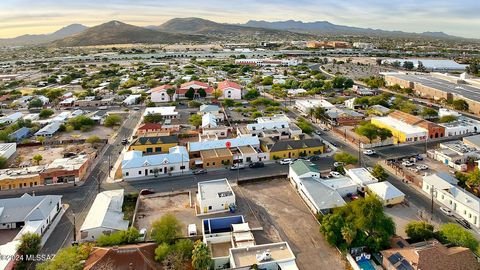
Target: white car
(335,174)
(338,164)
(407,163)
(237,166)
(422,167)
(143,234)
(286,161)
(369,152)
(446,211)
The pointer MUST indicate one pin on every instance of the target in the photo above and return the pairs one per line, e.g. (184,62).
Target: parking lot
(281,211)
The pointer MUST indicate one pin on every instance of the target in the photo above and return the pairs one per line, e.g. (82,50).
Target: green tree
(201,92)
(473,178)
(408,65)
(201,257)
(217,93)
(167,229)
(151,104)
(194,104)
(267,80)
(37,158)
(35,103)
(93,139)
(195,120)
(70,258)
(447,119)
(458,236)
(190,93)
(346,158)
(3,162)
(419,231)
(153,118)
(129,236)
(349,233)
(184,248)
(45,113)
(80,121)
(429,113)
(379,173)
(162,251)
(30,244)
(384,134)
(368,130)
(460,104)
(252,94)
(113,120)
(173,261)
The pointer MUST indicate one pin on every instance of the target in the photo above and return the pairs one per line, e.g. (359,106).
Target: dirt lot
(100,131)
(49,153)
(281,211)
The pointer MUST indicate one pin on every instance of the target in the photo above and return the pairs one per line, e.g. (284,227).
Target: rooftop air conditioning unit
(264,256)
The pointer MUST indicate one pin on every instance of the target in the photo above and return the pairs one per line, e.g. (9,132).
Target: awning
(290,265)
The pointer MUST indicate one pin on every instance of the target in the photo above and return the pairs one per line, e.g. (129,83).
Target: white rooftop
(234,142)
(214,189)
(400,125)
(385,190)
(106,212)
(361,176)
(167,110)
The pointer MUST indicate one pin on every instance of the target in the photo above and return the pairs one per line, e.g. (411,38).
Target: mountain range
(197,30)
(325,27)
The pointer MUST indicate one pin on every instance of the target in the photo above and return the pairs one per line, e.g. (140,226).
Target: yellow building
(292,148)
(21,178)
(401,131)
(155,144)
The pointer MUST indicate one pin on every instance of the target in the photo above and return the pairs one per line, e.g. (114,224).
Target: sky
(460,17)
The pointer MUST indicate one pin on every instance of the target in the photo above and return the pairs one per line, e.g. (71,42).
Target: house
(230,90)
(19,134)
(455,154)
(105,216)
(275,127)
(161,93)
(49,130)
(131,100)
(318,196)
(213,109)
(7,150)
(166,112)
(304,105)
(128,257)
(14,178)
(458,200)
(379,110)
(340,117)
(428,255)
(10,119)
(197,89)
(149,128)
(68,102)
(214,196)
(135,165)
(27,210)
(434,130)
(271,256)
(65,170)
(27,214)
(292,148)
(461,126)
(361,176)
(210,127)
(154,144)
(401,131)
(215,153)
(301,169)
(342,185)
(92,101)
(386,192)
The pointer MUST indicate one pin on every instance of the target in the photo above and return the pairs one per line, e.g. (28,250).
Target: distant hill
(320,27)
(116,32)
(44,38)
(208,28)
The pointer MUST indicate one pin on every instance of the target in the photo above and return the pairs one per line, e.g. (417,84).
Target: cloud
(454,17)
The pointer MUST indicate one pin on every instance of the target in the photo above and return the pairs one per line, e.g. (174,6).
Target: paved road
(81,198)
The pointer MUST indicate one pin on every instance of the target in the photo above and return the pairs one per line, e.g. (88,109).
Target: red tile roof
(139,256)
(228,84)
(162,87)
(182,91)
(187,85)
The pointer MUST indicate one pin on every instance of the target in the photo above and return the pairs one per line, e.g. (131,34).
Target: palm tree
(321,114)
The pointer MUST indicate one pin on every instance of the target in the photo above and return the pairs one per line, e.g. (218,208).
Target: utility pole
(432,191)
(74,229)
(359,155)
(426,142)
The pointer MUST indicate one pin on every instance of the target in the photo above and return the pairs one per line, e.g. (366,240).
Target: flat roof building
(267,256)
(361,176)
(214,196)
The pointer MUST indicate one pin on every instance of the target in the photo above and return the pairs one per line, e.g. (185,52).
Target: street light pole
(432,191)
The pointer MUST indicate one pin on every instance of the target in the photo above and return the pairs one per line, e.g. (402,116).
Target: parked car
(237,166)
(369,152)
(446,211)
(314,158)
(419,157)
(318,132)
(463,222)
(335,174)
(422,167)
(407,163)
(286,161)
(147,191)
(258,164)
(125,141)
(192,229)
(143,235)
(338,164)
(200,171)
